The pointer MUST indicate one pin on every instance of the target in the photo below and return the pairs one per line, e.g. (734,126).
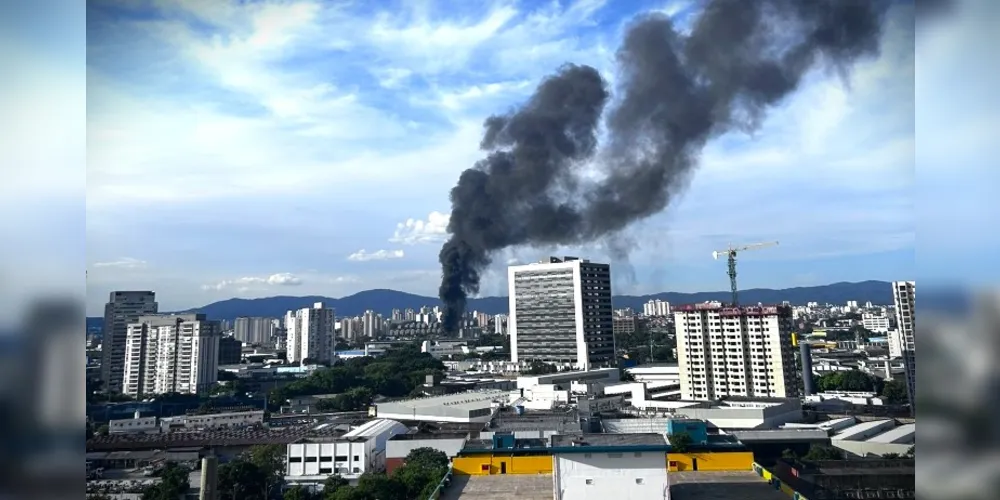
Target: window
(590,482)
(326,459)
(639,480)
(294,460)
(638,454)
(310,459)
(357,458)
(614,455)
(341,458)
(326,470)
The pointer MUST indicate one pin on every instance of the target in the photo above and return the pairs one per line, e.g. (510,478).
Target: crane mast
(731,253)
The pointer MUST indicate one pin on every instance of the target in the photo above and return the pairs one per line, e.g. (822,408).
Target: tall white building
(875,322)
(372,323)
(171,353)
(560,312)
(656,308)
(727,351)
(310,334)
(122,309)
(254,330)
(904,297)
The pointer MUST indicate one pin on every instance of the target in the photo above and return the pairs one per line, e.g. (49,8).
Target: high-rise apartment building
(311,333)
(735,351)
(904,297)
(171,353)
(254,330)
(656,308)
(372,323)
(560,312)
(123,308)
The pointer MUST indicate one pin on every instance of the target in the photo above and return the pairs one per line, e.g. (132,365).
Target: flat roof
(781,435)
(721,485)
(500,487)
(429,436)
(602,440)
(470,399)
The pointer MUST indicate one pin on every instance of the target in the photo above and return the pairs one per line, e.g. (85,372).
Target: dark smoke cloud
(677,91)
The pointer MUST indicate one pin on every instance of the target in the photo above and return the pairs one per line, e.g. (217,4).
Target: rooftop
(584,440)
(472,399)
(905,432)
(729,485)
(502,487)
(374,428)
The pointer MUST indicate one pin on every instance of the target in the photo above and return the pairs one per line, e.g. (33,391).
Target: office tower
(560,312)
(904,297)
(254,330)
(311,334)
(230,351)
(656,308)
(171,353)
(727,351)
(500,324)
(122,309)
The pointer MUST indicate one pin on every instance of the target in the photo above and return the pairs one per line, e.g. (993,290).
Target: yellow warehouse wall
(473,465)
(711,461)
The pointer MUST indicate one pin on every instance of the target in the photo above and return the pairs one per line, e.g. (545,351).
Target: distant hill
(384,301)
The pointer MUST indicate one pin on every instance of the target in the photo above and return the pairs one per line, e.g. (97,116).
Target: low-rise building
(610,466)
(399,446)
(212,421)
(463,407)
(310,461)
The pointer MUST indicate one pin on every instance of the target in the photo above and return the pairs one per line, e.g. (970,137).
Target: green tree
(427,457)
(894,392)
(269,459)
(299,493)
(850,381)
(911,452)
(103,430)
(375,486)
(241,480)
(536,367)
(823,453)
(681,442)
(173,484)
(789,454)
(334,483)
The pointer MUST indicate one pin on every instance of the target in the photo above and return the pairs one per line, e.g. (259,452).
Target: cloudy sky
(300,147)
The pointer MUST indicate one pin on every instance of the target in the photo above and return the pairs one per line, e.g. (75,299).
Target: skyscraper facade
(561,312)
(735,351)
(123,308)
(904,297)
(171,353)
(311,333)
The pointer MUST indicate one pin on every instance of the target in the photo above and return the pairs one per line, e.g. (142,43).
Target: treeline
(395,374)
(891,391)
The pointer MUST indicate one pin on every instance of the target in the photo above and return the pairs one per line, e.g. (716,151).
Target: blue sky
(258,148)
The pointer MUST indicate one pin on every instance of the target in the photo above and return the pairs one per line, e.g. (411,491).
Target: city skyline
(304,174)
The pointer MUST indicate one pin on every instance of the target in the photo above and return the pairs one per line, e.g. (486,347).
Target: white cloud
(123,263)
(246,283)
(365,256)
(432,230)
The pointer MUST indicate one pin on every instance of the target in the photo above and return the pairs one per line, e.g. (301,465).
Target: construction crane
(731,253)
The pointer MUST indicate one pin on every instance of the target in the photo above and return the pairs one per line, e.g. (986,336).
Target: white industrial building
(597,376)
(607,466)
(875,322)
(310,461)
(737,413)
(463,407)
(660,372)
(310,334)
(560,312)
(735,351)
(171,353)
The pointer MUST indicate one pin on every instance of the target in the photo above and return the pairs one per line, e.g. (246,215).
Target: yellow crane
(731,254)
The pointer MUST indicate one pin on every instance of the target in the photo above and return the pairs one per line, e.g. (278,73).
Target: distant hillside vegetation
(384,301)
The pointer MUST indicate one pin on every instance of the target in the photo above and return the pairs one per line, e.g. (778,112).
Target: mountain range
(384,301)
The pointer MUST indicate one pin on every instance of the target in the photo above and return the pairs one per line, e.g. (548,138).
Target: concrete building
(875,322)
(255,330)
(230,351)
(560,312)
(228,420)
(399,446)
(904,297)
(735,351)
(658,308)
(171,353)
(463,407)
(623,325)
(565,379)
(310,461)
(660,372)
(610,466)
(122,309)
(311,333)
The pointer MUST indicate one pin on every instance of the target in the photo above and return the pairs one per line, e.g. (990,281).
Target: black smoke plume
(676,91)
